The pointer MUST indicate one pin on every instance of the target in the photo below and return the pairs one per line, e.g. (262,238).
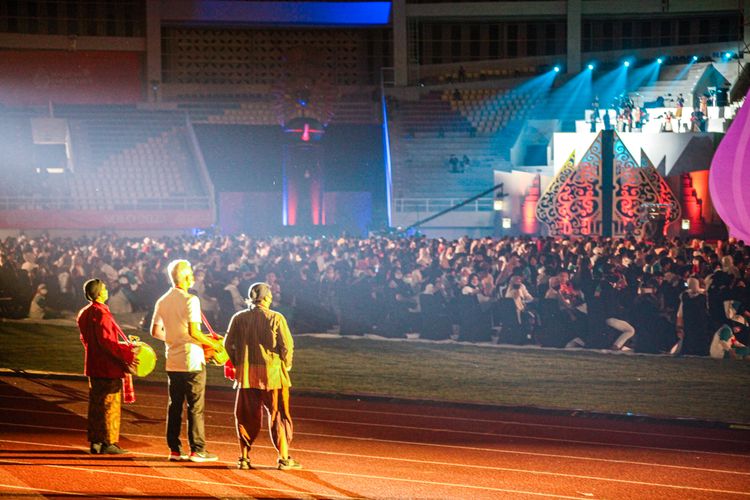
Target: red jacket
(105,356)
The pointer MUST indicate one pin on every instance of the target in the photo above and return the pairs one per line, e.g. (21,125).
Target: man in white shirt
(177,321)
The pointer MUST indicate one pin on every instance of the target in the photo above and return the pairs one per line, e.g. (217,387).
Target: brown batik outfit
(260,346)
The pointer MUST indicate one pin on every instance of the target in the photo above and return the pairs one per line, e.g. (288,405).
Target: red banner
(95,219)
(85,77)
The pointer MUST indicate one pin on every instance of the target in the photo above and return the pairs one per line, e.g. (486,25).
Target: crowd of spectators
(592,292)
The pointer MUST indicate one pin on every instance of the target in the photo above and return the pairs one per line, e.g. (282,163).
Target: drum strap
(208,326)
(229,371)
(122,334)
(128,389)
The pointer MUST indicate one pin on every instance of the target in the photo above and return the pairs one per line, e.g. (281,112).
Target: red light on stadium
(306,128)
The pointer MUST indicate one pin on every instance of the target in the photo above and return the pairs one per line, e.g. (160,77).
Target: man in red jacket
(106,363)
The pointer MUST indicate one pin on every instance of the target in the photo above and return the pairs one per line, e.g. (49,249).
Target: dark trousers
(190,387)
(248,413)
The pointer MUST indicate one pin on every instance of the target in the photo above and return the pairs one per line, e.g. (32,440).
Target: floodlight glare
(727,55)
(626,64)
(659,61)
(695,58)
(557,69)
(591,67)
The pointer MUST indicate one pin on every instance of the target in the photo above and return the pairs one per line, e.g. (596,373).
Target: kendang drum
(146,360)
(215,355)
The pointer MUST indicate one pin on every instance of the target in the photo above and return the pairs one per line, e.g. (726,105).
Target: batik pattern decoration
(666,196)
(546,208)
(572,205)
(634,187)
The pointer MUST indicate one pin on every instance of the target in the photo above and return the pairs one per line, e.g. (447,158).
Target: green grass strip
(700,388)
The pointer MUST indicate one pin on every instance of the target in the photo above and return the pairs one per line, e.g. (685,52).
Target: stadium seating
(126,157)
(480,124)
(275,108)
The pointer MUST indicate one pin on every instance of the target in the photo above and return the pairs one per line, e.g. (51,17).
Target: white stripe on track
(161,455)
(464,419)
(523,424)
(388,478)
(461,447)
(472,433)
(45,490)
(499,450)
(454,447)
(506,435)
(295,492)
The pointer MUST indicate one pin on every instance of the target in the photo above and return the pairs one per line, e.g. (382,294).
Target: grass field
(699,388)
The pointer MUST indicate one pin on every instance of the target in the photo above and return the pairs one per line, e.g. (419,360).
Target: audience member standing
(692,320)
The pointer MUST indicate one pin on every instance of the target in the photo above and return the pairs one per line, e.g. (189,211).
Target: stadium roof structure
(304,13)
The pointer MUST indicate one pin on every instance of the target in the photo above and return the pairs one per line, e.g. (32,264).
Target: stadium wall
(82,77)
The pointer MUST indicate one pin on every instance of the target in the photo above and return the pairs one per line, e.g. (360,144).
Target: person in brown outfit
(260,347)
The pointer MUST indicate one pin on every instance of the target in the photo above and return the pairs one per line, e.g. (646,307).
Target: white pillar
(153,50)
(575,25)
(400,49)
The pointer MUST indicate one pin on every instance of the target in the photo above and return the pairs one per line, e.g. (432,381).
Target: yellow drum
(146,358)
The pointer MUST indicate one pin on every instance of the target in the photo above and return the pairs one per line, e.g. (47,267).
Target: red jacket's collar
(99,305)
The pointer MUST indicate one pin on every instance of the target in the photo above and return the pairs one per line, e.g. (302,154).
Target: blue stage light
(591,67)
(626,64)
(659,61)
(557,69)
(695,58)
(727,55)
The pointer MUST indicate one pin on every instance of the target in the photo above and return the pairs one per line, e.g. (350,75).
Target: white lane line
(449,446)
(390,478)
(458,465)
(522,424)
(507,435)
(106,470)
(515,436)
(466,419)
(293,492)
(44,490)
(471,433)
(525,453)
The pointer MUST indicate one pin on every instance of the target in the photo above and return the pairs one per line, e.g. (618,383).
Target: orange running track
(353,448)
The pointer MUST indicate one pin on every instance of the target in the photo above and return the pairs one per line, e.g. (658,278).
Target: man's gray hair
(175,268)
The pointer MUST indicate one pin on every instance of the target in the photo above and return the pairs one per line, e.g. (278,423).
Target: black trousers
(187,387)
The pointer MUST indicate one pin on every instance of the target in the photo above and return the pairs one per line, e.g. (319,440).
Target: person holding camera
(177,321)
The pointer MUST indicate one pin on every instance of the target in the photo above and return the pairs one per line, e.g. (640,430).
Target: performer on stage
(261,347)
(638,118)
(177,321)
(106,363)
(678,111)
(594,113)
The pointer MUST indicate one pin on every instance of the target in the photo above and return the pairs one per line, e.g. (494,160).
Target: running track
(365,449)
